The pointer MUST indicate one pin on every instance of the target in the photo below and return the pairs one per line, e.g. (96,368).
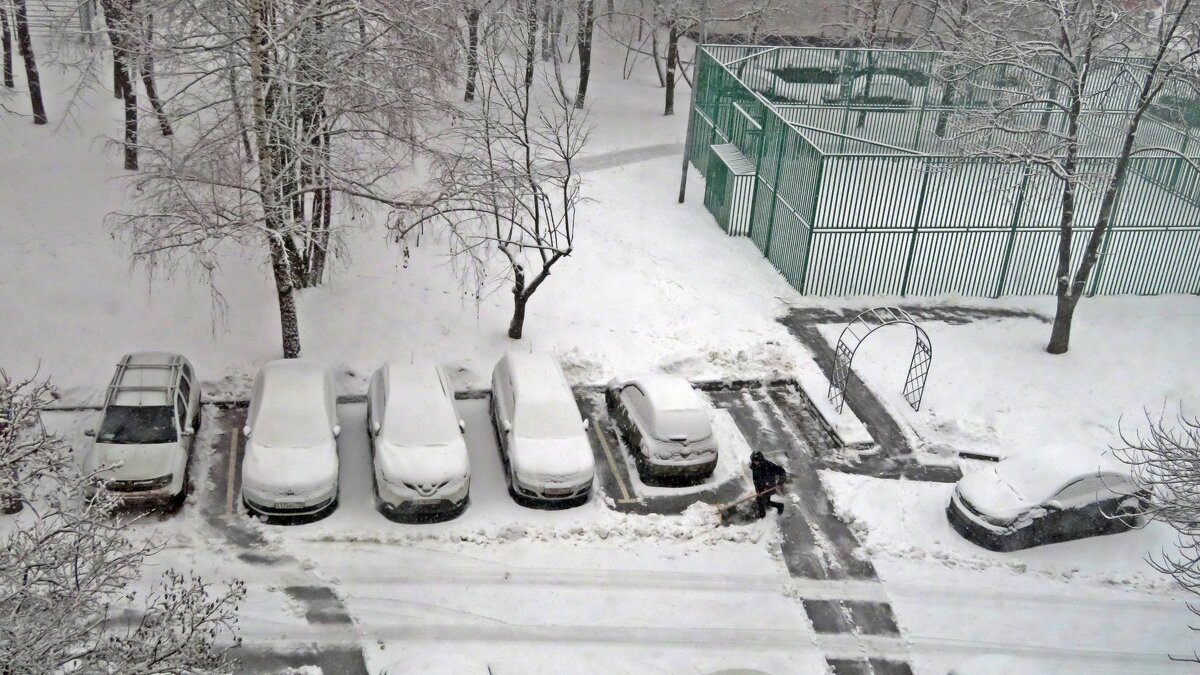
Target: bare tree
(1039,98)
(1165,461)
(298,110)
(506,187)
(66,570)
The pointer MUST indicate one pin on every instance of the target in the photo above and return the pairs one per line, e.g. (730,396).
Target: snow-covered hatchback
(420,458)
(666,425)
(1055,495)
(543,438)
(291,462)
(151,413)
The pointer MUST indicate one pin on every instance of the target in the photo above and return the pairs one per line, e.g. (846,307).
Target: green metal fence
(867,199)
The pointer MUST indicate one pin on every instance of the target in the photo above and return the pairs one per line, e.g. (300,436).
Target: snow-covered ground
(993,389)
(652,284)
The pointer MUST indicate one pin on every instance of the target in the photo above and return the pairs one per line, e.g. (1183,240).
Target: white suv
(151,412)
(291,462)
(421,466)
(543,440)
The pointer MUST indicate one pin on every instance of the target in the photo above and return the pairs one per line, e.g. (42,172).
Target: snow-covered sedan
(1055,495)
(151,413)
(291,463)
(666,425)
(543,438)
(421,465)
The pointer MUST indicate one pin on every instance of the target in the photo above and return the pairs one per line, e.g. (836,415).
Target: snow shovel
(726,510)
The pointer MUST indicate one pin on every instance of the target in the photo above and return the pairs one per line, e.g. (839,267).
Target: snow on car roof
(536,377)
(418,410)
(1038,475)
(139,385)
(1012,485)
(668,392)
(291,409)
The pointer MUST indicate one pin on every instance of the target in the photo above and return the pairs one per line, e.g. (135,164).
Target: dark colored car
(1053,496)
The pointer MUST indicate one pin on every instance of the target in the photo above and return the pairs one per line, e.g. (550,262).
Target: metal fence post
(1012,234)
(812,225)
(912,242)
(774,194)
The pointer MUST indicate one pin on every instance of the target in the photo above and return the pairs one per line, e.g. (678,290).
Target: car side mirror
(375,427)
(337,430)
(187,431)
(90,433)
(506,426)
(587,424)
(246,431)
(462,426)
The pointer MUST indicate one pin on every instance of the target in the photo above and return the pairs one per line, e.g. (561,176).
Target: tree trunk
(672,62)
(658,70)
(546,17)
(1060,334)
(129,96)
(25,46)
(164,125)
(6,43)
(289,321)
(472,52)
(587,17)
(517,325)
(531,22)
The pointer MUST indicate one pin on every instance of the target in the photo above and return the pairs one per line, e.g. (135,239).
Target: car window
(181,410)
(635,401)
(187,371)
(138,424)
(1082,491)
(185,388)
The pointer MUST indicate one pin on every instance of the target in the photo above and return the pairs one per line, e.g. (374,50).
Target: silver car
(666,424)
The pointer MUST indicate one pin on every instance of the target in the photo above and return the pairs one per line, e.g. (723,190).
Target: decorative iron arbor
(831,162)
(853,335)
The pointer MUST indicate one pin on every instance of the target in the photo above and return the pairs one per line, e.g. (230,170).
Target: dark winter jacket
(766,474)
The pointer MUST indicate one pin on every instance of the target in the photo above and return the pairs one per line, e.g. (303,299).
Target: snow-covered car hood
(425,465)
(994,495)
(299,469)
(133,462)
(556,459)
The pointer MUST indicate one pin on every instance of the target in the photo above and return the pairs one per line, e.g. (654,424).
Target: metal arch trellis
(853,335)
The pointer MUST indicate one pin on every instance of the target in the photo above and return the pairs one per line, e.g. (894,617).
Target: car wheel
(176,503)
(196,419)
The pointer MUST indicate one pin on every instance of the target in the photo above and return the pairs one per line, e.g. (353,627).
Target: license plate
(288,503)
(558,492)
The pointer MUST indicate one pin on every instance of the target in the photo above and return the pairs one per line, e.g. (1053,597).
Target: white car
(421,465)
(1056,494)
(151,412)
(291,463)
(543,438)
(666,424)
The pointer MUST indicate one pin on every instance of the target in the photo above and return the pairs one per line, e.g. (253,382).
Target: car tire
(196,419)
(176,503)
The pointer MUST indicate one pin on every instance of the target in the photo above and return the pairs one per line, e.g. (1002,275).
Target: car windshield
(548,419)
(138,424)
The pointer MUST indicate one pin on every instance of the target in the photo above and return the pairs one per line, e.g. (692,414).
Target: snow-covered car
(420,458)
(291,463)
(666,425)
(150,416)
(543,438)
(1055,495)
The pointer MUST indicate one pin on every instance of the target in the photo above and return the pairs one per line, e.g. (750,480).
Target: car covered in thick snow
(290,467)
(1054,495)
(151,413)
(666,425)
(420,458)
(543,438)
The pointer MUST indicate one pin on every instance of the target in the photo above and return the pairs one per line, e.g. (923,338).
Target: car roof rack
(173,364)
